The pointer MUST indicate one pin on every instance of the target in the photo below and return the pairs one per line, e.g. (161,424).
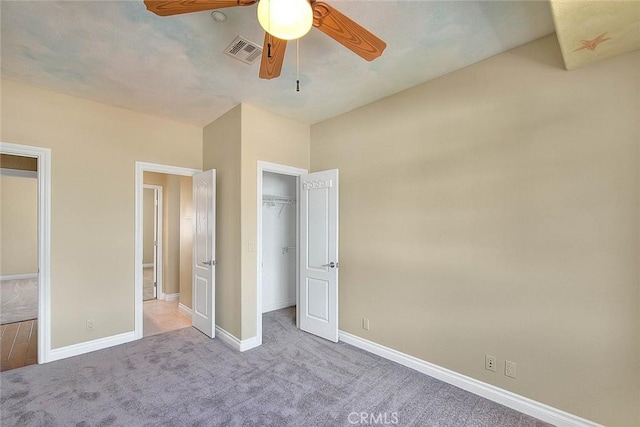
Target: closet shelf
(272,200)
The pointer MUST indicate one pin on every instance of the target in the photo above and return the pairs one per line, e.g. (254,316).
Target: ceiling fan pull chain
(297,65)
(269,32)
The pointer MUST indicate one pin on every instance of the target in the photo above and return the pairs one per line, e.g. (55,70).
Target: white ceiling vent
(244,50)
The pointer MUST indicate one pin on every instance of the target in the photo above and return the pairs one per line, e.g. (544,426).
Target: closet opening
(278,255)
(279,215)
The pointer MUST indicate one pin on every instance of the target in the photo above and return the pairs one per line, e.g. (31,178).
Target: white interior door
(156,224)
(204,252)
(318,309)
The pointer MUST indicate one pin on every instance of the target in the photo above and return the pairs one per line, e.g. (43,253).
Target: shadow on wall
(550,57)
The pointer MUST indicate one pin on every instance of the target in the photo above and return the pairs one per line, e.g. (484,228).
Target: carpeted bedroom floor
(183,378)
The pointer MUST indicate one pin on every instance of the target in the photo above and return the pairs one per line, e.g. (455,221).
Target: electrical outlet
(90,325)
(490,362)
(510,369)
(365,323)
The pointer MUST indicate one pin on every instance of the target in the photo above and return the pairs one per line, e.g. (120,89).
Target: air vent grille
(244,50)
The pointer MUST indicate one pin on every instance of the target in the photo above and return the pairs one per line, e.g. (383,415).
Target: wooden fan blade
(270,67)
(345,31)
(176,7)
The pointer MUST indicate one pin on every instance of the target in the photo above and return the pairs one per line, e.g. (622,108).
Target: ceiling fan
(319,14)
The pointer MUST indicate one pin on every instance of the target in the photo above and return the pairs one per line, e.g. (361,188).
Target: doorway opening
(277,258)
(25,258)
(166,259)
(167,256)
(19,261)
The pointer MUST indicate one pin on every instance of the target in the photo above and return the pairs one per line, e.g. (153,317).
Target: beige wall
(18,225)
(93,147)
(496,210)
(221,151)
(186,239)
(233,144)
(171,284)
(271,138)
(148,207)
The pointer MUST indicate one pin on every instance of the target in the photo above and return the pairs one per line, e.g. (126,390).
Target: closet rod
(268,198)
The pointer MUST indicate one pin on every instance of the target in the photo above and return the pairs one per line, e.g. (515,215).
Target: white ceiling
(118,53)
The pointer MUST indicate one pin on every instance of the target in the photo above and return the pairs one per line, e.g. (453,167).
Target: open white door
(155,243)
(204,252)
(318,202)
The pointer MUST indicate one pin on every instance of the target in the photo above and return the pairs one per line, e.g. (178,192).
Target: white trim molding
(250,343)
(89,346)
(511,400)
(147,265)
(283,170)
(44,240)
(278,305)
(171,297)
(140,169)
(184,309)
(234,342)
(19,276)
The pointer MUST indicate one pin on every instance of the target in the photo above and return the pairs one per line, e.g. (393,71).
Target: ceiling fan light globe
(285,19)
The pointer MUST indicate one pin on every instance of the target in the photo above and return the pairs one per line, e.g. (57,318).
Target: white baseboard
(147,265)
(236,343)
(224,336)
(227,338)
(171,297)
(278,305)
(184,309)
(89,346)
(249,344)
(514,401)
(19,276)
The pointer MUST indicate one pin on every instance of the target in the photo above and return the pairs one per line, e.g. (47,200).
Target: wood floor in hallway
(19,340)
(18,344)
(162,316)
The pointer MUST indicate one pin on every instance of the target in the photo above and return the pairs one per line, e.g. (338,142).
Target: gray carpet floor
(182,378)
(18,300)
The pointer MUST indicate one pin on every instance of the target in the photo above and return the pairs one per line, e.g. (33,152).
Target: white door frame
(282,170)
(43,155)
(159,229)
(141,168)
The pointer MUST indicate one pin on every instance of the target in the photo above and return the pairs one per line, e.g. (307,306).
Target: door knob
(212,262)
(331,265)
